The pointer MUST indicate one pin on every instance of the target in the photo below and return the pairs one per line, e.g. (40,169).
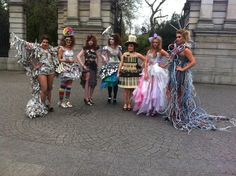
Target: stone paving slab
(105,141)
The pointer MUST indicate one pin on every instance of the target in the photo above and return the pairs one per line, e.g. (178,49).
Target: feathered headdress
(107,32)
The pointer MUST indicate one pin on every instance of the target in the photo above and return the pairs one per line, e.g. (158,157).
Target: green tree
(165,30)
(128,8)
(143,44)
(41,18)
(155,7)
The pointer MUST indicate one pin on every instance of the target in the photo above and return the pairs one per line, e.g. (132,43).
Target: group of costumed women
(161,85)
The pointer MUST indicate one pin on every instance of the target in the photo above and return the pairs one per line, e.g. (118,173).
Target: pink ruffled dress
(150,95)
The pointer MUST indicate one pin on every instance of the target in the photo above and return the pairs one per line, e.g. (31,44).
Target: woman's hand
(37,66)
(71,61)
(178,68)
(84,67)
(118,75)
(146,76)
(28,45)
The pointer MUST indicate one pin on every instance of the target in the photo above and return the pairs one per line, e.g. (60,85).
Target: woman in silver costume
(183,109)
(39,62)
(71,70)
(46,71)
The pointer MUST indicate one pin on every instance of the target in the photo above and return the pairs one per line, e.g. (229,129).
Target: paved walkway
(104,141)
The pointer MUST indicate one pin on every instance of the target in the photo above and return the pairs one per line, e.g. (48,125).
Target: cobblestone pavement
(104,141)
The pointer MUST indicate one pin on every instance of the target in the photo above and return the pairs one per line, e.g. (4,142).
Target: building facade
(213,28)
(86,17)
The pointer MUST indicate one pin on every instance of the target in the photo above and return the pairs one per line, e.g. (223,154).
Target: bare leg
(86,87)
(87,90)
(126,92)
(50,84)
(130,91)
(91,92)
(42,79)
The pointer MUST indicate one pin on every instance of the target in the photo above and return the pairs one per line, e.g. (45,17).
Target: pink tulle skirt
(150,95)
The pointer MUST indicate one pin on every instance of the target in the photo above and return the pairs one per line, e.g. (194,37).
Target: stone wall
(87,21)
(213,31)
(18,26)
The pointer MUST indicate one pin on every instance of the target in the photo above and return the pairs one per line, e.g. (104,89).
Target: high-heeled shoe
(91,101)
(87,102)
(109,100)
(125,107)
(129,108)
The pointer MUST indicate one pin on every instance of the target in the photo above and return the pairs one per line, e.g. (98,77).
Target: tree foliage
(155,7)
(41,17)
(128,8)
(165,30)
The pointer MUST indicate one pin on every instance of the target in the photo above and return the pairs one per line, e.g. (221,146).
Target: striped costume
(130,72)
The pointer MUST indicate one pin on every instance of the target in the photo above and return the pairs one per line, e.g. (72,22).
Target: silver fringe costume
(183,109)
(31,55)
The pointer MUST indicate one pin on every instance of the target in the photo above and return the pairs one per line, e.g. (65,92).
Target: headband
(155,36)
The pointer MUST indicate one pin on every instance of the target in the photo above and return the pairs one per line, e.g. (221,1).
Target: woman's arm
(120,55)
(192,61)
(98,57)
(140,56)
(120,65)
(79,55)
(60,55)
(144,59)
(104,56)
(163,53)
(29,45)
(146,65)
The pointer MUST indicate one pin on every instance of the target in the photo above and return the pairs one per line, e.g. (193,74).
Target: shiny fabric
(71,71)
(183,109)
(109,70)
(35,61)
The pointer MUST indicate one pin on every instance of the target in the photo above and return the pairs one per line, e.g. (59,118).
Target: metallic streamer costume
(31,54)
(183,110)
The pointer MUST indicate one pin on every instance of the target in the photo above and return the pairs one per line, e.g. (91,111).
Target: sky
(168,8)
